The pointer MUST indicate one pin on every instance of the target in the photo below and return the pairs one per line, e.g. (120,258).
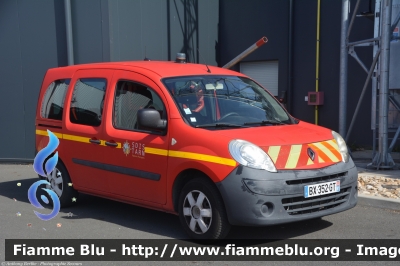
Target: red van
(206,143)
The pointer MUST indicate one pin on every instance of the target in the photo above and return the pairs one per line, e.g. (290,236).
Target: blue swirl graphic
(44,153)
(45,199)
(49,167)
(32,198)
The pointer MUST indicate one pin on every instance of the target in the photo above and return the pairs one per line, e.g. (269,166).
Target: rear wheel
(202,212)
(61,184)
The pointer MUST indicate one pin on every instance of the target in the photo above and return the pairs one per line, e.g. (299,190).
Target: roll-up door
(264,72)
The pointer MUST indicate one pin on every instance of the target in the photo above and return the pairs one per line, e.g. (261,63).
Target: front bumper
(256,197)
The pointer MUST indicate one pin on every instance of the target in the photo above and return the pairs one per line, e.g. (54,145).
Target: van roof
(161,68)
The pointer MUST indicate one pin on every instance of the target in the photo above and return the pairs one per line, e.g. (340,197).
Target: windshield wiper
(266,122)
(219,125)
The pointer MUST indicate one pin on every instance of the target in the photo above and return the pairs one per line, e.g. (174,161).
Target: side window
(87,101)
(53,100)
(129,98)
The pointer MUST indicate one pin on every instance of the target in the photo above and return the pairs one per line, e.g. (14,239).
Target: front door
(136,159)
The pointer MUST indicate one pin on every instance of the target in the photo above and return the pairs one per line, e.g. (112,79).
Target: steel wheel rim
(197,212)
(56,182)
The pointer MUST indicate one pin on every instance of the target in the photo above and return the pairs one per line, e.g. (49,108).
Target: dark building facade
(33,39)
(291,29)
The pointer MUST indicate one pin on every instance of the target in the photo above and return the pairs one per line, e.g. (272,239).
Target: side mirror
(149,119)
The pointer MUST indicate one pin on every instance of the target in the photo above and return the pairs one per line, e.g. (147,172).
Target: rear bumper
(257,197)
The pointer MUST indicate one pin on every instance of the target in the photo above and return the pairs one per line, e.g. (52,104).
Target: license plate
(321,189)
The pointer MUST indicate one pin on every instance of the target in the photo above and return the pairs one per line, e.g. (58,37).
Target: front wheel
(202,212)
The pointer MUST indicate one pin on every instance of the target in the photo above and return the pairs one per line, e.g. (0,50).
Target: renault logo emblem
(311,154)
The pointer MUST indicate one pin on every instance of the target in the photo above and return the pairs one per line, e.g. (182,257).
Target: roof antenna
(208,69)
(145,54)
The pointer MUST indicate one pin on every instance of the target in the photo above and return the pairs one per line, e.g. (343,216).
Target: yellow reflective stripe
(310,162)
(191,155)
(293,156)
(202,157)
(273,152)
(156,151)
(327,152)
(162,152)
(44,133)
(320,160)
(76,138)
(41,132)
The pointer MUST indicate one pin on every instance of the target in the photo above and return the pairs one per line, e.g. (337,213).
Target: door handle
(94,141)
(112,144)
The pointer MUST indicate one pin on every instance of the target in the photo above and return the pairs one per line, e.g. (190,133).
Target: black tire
(217,225)
(69,195)
(316,219)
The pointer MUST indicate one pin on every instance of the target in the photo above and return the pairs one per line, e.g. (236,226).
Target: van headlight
(342,146)
(250,155)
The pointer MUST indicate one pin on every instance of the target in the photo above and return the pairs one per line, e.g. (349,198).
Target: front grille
(301,205)
(315,179)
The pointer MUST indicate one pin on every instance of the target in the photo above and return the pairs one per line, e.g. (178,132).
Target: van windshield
(221,102)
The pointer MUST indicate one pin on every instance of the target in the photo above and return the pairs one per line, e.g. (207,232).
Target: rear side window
(53,100)
(87,101)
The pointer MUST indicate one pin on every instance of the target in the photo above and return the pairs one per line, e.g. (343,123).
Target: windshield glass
(225,102)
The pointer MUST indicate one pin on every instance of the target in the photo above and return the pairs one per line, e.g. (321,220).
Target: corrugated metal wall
(28,47)
(32,39)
